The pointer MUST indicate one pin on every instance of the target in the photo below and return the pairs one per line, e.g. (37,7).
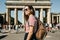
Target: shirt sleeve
(31,21)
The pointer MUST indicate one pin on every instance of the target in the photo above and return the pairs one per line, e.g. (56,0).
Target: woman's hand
(30,32)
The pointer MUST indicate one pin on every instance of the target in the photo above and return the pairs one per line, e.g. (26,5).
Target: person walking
(30,23)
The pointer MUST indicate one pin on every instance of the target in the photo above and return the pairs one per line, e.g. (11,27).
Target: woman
(30,23)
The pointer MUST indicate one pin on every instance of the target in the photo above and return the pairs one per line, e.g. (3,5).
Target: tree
(44,19)
(1,19)
(12,21)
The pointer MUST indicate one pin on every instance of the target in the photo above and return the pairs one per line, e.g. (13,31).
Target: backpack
(40,30)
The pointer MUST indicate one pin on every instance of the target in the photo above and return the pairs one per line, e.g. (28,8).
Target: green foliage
(12,21)
(44,19)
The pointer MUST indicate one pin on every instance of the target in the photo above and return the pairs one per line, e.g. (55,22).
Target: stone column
(16,17)
(7,15)
(57,19)
(48,16)
(41,14)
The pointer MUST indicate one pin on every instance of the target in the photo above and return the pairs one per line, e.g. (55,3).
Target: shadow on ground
(2,36)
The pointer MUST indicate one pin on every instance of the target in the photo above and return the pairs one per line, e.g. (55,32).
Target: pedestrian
(30,23)
(47,26)
(50,27)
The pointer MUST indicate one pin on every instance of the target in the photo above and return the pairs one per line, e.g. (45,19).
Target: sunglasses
(26,9)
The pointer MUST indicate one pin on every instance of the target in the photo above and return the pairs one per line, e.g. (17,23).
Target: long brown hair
(32,12)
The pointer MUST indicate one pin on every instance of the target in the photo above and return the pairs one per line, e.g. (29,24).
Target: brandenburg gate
(40,5)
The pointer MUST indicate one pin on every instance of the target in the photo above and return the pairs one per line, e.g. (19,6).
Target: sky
(55,7)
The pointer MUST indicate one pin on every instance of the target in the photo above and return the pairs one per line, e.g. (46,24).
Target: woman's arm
(31,23)
(30,32)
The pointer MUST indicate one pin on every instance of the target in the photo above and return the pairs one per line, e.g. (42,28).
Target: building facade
(55,17)
(40,5)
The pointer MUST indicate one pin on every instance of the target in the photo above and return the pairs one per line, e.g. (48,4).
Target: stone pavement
(13,36)
(20,36)
(53,36)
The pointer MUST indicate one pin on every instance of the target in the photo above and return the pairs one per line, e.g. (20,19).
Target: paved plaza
(20,36)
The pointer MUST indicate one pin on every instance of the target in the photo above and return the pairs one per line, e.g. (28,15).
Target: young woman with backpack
(34,28)
(30,23)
